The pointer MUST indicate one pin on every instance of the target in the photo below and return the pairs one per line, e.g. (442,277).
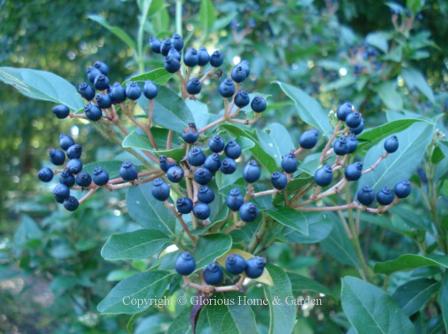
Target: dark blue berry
(150,90)
(232,149)
(289,163)
(93,112)
(255,267)
(201,210)
(353,171)
(74,166)
(323,176)
(171,64)
(194,86)
(213,274)
(248,212)
(65,141)
(61,192)
(308,139)
(173,53)
(226,88)
(191,57)
(103,100)
(175,174)
(92,73)
(353,119)
(101,82)
(385,196)
(83,179)
(117,93)
(177,42)
(216,59)
(57,157)
(340,146)
(185,264)
(155,44)
(67,178)
(184,205)
(165,163)
(196,156)
(234,199)
(216,144)
(160,190)
(343,110)
(258,104)
(202,175)
(235,264)
(128,172)
(213,162)
(279,180)
(351,143)
(45,174)
(165,47)
(190,134)
(365,195)
(391,144)
(71,203)
(133,91)
(205,194)
(74,151)
(86,91)
(61,111)
(228,166)
(99,176)
(102,67)
(239,73)
(402,189)
(241,99)
(203,57)
(358,129)
(251,172)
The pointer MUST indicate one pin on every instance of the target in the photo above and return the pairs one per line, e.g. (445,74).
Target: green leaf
(411,261)
(144,286)
(139,244)
(282,313)
(346,81)
(199,111)
(170,111)
(112,167)
(148,212)
(27,231)
(181,323)
(309,110)
(117,31)
(415,5)
(302,283)
(442,300)
(275,140)
(396,167)
(207,15)
(379,40)
(413,295)
(415,79)
(210,248)
(437,155)
(370,310)
(389,95)
(42,85)
(159,76)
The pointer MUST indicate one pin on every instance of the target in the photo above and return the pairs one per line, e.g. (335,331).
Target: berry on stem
(61,111)
(351,143)
(248,212)
(228,166)
(365,195)
(155,44)
(65,141)
(71,203)
(279,180)
(103,100)
(133,91)
(194,86)
(255,267)
(117,93)
(385,196)
(57,157)
(185,264)
(196,156)
(358,129)
(226,88)
(92,73)
(67,178)
(234,199)
(340,146)
(150,90)
(191,57)
(102,67)
(165,47)
(86,91)
(190,134)
(353,119)
(201,210)
(184,205)
(344,109)
(83,179)
(203,56)
(93,112)
(241,99)
(165,163)
(353,171)
(74,151)
(175,174)
(258,104)
(177,42)
(61,192)
(213,274)
(128,171)
(232,149)
(171,64)
(216,59)
(289,163)
(101,82)
(205,194)
(402,189)
(160,190)
(99,176)
(216,144)
(391,144)
(235,264)
(240,72)
(251,172)
(323,176)
(45,174)
(308,139)
(213,162)
(202,175)
(74,166)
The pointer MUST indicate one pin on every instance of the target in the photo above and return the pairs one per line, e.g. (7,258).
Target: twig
(330,140)
(181,221)
(376,163)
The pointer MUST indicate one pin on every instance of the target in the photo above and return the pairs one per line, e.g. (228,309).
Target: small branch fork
(209,289)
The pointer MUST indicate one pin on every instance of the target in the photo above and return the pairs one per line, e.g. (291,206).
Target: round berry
(67,178)
(150,90)
(117,93)
(402,189)
(255,267)
(216,144)
(232,149)
(308,139)
(171,64)
(340,146)
(101,82)
(102,67)
(74,151)
(185,264)
(100,177)
(92,73)
(385,196)
(351,143)
(133,91)
(235,264)
(86,91)
(201,210)
(83,179)
(65,141)
(196,156)
(175,174)
(258,104)
(323,176)
(289,163)
(353,119)
(93,112)
(61,111)
(194,86)
(365,195)
(228,166)
(213,162)
(344,109)
(279,180)
(71,203)
(184,205)
(190,134)
(248,212)
(241,99)
(239,73)
(155,44)
(45,174)
(57,157)
(213,274)
(160,190)
(177,42)
(74,166)
(166,163)
(391,144)
(353,171)
(226,88)
(358,129)
(234,199)
(191,57)
(203,57)
(205,195)
(216,59)
(128,172)
(61,192)
(103,100)
(165,47)
(251,172)
(202,175)
(173,53)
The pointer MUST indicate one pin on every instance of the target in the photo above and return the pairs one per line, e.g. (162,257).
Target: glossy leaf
(159,76)
(275,140)
(378,40)
(302,283)
(415,79)
(411,261)
(117,31)
(210,248)
(413,295)
(207,15)
(388,93)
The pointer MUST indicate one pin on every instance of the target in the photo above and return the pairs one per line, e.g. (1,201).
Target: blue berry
(353,171)
(205,194)
(323,176)
(340,146)
(150,90)
(226,88)
(99,176)
(240,72)
(308,139)
(213,162)
(344,109)
(216,59)
(61,111)
(196,156)
(128,172)
(194,86)
(74,151)
(92,73)
(67,178)
(228,166)
(251,172)
(203,57)
(61,192)
(93,112)
(171,64)
(160,190)
(402,189)
(279,180)
(248,212)
(235,264)
(216,144)
(166,163)
(190,134)
(86,91)
(385,196)
(258,104)
(165,47)
(232,149)
(191,57)
(184,205)
(65,141)
(241,99)
(351,143)
(117,93)
(255,267)
(365,195)
(358,129)
(57,157)
(213,274)
(173,53)
(202,175)
(177,42)
(175,174)
(74,166)
(101,82)
(234,199)
(185,264)
(45,174)
(102,67)
(391,144)
(71,203)
(353,119)
(83,179)
(155,44)
(133,91)
(103,100)
(201,210)
(289,163)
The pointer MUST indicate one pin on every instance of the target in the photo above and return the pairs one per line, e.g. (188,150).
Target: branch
(181,221)
(375,164)
(330,140)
